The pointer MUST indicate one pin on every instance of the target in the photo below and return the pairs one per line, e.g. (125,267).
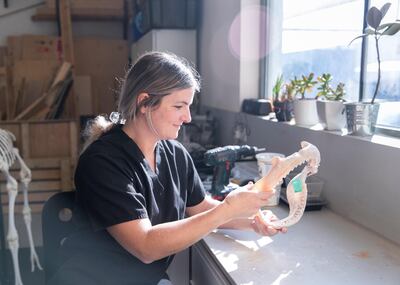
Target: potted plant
(305,109)
(331,110)
(361,116)
(283,100)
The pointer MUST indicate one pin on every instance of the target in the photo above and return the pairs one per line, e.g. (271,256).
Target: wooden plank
(25,139)
(36,106)
(73,135)
(35,208)
(32,196)
(34,69)
(66,177)
(102,72)
(47,14)
(38,76)
(58,104)
(33,47)
(33,90)
(92,56)
(66,31)
(70,107)
(83,91)
(3,55)
(91,4)
(37,174)
(9,91)
(14,44)
(15,129)
(19,97)
(57,109)
(40,115)
(50,140)
(39,104)
(46,139)
(3,95)
(43,163)
(38,186)
(40,47)
(40,107)
(61,73)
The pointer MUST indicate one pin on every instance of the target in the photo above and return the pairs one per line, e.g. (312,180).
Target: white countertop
(323,248)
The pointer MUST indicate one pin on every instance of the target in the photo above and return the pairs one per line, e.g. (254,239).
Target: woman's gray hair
(156,73)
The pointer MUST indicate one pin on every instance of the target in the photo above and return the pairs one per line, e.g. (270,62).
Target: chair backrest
(56,225)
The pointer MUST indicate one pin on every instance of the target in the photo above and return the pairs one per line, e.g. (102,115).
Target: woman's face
(173,111)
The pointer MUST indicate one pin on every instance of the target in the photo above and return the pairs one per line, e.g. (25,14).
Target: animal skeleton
(8,155)
(296,190)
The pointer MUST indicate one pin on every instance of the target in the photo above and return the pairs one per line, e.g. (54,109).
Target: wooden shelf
(48,14)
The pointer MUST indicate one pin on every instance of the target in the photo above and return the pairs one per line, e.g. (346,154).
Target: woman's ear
(141,97)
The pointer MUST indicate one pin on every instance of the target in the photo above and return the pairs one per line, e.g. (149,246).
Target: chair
(56,225)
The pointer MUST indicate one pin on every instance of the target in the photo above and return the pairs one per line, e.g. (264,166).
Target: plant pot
(331,114)
(361,118)
(283,110)
(305,112)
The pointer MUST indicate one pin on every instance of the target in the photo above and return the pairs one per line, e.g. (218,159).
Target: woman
(139,197)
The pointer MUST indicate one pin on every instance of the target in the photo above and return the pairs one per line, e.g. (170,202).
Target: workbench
(323,248)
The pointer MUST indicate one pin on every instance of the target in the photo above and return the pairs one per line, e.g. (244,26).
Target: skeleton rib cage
(6,150)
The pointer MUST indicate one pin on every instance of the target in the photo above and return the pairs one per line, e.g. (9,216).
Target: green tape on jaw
(297,185)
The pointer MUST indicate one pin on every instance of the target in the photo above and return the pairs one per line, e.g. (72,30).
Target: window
(314,36)
(389,90)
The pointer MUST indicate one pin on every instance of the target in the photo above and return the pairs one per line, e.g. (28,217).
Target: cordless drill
(223,158)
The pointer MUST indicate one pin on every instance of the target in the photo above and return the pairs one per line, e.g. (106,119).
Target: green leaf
(385,8)
(384,26)
(276,89)
(368,32)
(363,35)
(374,17)
(392,29)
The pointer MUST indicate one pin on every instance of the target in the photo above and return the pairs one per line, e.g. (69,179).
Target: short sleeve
(107,192)
(196,191)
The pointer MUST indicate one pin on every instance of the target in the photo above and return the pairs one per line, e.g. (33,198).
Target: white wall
(180,42)
(249,49)
(16,20)
(228,41)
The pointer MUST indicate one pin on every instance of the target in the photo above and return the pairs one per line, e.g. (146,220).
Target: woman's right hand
(244,203)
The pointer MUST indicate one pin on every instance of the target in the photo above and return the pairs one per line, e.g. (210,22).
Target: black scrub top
(114,184)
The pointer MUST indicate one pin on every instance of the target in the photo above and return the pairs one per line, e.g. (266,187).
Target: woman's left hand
(262,227)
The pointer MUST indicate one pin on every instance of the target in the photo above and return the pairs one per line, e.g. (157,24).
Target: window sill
(378,138)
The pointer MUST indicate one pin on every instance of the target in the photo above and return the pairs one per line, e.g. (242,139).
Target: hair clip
(115,117)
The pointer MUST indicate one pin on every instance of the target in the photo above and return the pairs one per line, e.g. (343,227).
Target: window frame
(264,71)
